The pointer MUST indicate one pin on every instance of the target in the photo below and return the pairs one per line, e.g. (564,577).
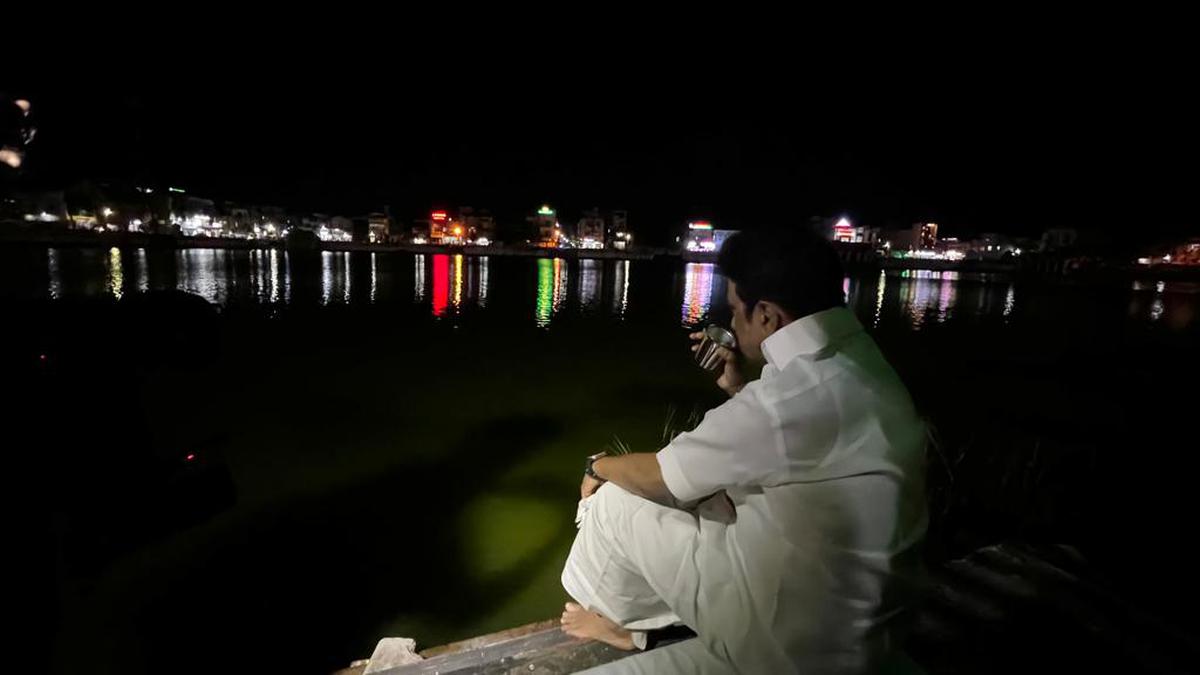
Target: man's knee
(610,497)
(607,489)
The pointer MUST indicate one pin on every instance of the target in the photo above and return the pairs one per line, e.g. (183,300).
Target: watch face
(590,461)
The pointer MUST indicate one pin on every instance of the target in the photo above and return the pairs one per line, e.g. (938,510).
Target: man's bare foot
(581,623)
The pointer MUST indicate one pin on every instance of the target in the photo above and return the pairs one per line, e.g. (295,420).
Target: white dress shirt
(813,557)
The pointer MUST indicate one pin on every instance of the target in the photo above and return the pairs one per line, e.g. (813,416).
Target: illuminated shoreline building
(549,232)
(919,237)
(589,231)
(700,237)
(445,230)
(480,226)
(378,228)
(843,230)
(621,237)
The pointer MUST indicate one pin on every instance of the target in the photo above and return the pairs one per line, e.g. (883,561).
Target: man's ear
(769,315)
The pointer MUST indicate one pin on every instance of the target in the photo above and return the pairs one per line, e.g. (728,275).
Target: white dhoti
(630,556)
(804,555)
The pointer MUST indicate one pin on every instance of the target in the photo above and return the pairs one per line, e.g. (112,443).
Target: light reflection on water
(143,271)
(335,277)
(697,293)
(927,295)
(419,279)
(458,281)
(590,272)
(620,294)
(441,284)
(1156,309)
(552,278)
(374,278)
(1174,303)
(450,285)
(205,273)
(287,278)
(55,288)
(453,283)
(326,276)
(483,280)
(274,275)
(880,289)
(115,273)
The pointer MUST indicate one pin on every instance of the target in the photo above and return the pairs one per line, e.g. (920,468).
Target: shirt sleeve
(735,445)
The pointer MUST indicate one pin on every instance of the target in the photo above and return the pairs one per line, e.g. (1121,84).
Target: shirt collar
(809,335)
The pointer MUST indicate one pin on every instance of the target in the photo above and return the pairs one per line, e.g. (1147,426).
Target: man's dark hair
(793,268)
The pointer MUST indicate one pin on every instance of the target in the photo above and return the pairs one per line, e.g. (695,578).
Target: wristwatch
(587,468)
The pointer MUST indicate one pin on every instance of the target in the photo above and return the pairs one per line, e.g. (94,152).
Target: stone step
(1002,607)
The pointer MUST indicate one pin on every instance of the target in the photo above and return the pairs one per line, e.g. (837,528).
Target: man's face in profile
(748,336)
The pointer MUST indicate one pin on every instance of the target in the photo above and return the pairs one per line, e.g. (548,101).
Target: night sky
(1080,152)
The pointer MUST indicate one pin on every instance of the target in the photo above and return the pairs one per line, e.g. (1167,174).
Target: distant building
(267,222)
(1186,253)
(239,221)
(444,227)
(927,235)
(309,221)
(699,237)
(111,207)
(335,228)
(589,231)
(992,246)
(1058,238)
(920,237)
(953,248)
(479,225)
(847,232)
(37,207)
(619,236)
(842,229)
(82,219)
(719,237)
(548,229)
(339,228)
(419,234)
(439,226)
(272,221)
(194,216)
(273,215)
(378,227)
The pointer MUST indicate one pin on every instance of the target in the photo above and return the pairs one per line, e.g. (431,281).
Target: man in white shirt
(785,529)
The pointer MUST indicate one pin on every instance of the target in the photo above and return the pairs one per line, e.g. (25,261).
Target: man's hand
(731,380)
(636,472)
(589,486)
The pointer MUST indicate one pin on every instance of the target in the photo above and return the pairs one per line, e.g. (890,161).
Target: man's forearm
(636,472)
